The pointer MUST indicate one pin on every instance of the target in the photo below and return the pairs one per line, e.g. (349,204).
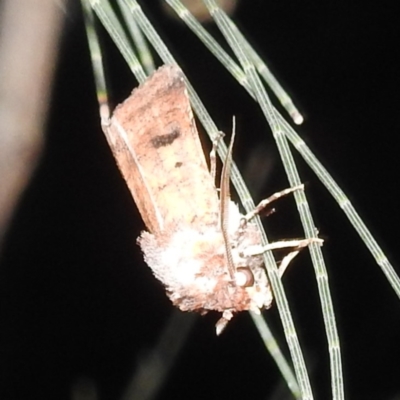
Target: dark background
(79,305)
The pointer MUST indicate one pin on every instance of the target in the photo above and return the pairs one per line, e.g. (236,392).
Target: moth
(198,244)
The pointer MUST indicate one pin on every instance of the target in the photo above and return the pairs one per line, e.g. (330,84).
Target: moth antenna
(225,196)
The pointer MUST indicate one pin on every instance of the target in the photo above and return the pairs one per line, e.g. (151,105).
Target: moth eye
(244,277)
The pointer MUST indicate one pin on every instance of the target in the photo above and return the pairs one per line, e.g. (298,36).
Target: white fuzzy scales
(191,263)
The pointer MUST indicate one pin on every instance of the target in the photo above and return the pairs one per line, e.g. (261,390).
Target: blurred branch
(153,369)
(29,35)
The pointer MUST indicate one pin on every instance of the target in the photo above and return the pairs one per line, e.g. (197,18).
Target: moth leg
(213,155)
(286,261)
(264,203)
(223,322)
(282,244)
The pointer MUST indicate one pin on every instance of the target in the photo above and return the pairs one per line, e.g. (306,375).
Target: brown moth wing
(154,139)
